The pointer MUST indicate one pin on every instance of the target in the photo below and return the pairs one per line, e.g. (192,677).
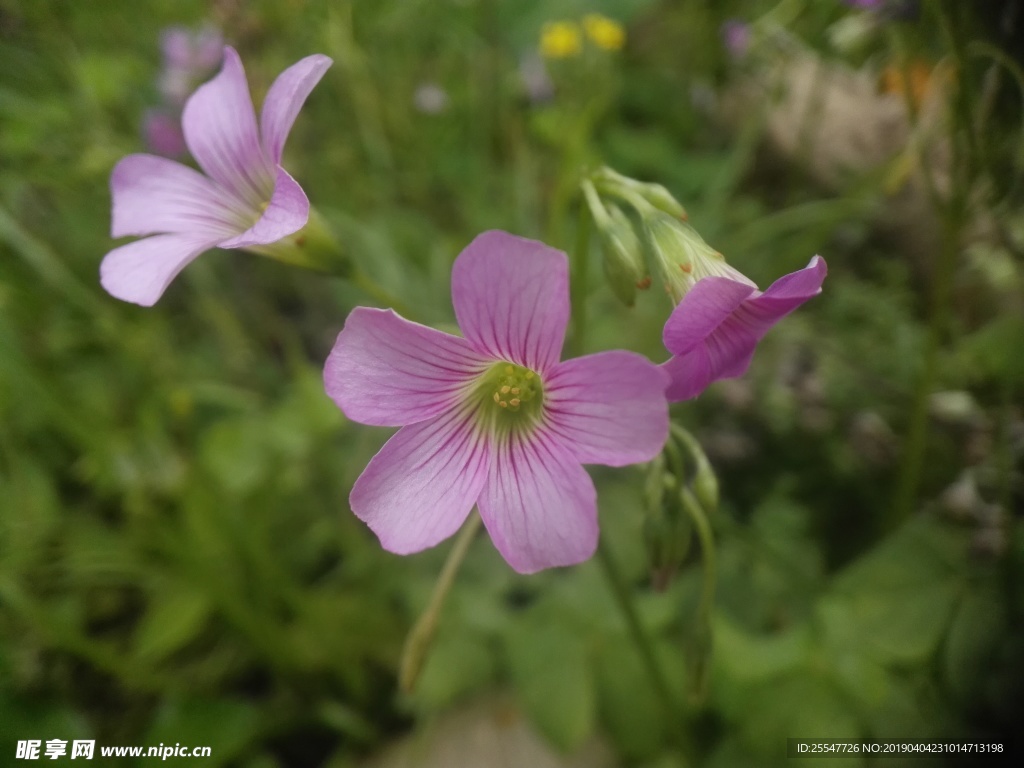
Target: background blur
(177,559)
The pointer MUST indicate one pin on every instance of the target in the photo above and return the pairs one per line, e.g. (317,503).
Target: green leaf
(224,725)
(801,706)
(747,658)
(979,622)
(459,663)
(898,626)
(551,672)
(173,620)
(630,707)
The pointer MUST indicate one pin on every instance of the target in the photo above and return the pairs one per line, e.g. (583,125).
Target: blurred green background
(177,559)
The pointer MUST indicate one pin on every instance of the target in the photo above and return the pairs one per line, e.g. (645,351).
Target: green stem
(707,593)
(624,599)
(381,295)
(580,266)
(417,644)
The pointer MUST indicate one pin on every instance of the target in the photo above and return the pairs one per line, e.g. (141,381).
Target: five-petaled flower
(494,418)
(714,330)
(244,200)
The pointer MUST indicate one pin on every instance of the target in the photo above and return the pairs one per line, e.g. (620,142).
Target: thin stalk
(580,267)
(381,295)
(707,592)
(421,637)
(641,640)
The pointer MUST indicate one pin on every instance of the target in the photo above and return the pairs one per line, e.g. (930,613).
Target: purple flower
(737,37)
(718,323)
(162,132)
(188,57)
(244,200)
(493,419)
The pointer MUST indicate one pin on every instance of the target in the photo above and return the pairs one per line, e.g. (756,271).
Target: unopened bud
(667,533)
(623,256)
(682,256)
(624,187)
(704,481)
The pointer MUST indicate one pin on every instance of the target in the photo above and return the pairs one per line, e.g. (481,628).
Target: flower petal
(690,373)
(797,287)
(511,298)
(387,371)
(539,504)
(422,484)
(286,213)
(702,310)
(153,194)
(220,129)
(728,348)
(608,408)
(141,271)
(284,100)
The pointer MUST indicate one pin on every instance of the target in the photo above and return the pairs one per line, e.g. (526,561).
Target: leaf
(458,663)
(629,705)
(224,725)
(551,672)
(748,658)
(173,620)
(979,622)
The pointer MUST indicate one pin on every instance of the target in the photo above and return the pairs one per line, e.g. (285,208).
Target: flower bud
(682,256)
(667,533)
(626,188)
(623,256)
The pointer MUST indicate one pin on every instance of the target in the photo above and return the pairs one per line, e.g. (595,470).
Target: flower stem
(707,592)
(369,286)
(417,644)
(644,645)
(580,265)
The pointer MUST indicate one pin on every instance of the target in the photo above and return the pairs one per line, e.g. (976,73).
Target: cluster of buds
(661,236)
(681,494)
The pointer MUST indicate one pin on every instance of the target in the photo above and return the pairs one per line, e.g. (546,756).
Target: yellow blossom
(606,33)
(560,40)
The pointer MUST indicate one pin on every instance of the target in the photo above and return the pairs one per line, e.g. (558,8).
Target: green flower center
(511,398)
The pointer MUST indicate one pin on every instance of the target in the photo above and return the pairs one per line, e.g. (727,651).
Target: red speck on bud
(687,268)
(644,283)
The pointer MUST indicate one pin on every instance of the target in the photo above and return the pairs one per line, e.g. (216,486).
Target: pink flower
(244,200)
(493,419)
(713,331)
(162,132)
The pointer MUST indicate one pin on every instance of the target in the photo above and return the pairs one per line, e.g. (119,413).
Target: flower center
(511,398)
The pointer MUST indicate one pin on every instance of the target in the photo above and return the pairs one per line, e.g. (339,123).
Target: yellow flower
(606,33)
(560,40)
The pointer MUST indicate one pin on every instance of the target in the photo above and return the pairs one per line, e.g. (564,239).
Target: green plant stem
(621,592)
(421,636)
(578,281)
(953,213)
(644,645)
(381,295)
(707,546)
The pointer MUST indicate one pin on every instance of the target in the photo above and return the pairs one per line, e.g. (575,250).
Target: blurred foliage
(177,560)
